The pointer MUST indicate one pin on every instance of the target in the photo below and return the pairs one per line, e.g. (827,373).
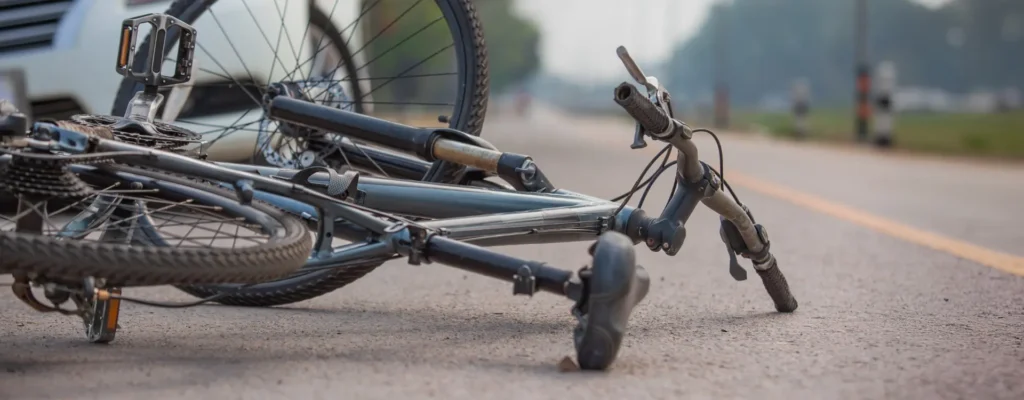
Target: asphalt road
(904,268)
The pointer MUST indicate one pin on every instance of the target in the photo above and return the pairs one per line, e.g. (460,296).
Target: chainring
(168,137)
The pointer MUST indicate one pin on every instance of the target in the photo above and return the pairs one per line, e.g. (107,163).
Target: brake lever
(633,69)
(638,138)
(735,269)
(655,93)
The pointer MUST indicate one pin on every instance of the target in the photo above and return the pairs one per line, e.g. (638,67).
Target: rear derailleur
(96,302)
(97,306)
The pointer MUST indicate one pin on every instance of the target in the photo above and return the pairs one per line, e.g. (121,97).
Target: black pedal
(523,282)
(14,125)
(141,112)
(152,74)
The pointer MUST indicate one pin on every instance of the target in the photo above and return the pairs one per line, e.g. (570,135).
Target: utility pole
(670,13)
(863,88)
(801,106)
(721,88)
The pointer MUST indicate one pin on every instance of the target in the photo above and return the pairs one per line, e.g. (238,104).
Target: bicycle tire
(301,288)
(463,22)
(468,116)
(126,265)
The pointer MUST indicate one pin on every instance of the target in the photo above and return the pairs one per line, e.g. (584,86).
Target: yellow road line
(1002,261)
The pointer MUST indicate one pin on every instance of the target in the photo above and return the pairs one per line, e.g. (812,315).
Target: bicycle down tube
(698,182)
(666,232)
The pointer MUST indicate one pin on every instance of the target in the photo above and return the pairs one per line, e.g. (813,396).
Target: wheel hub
(297,146)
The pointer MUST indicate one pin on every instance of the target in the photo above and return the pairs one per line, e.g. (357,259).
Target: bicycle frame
(485,217)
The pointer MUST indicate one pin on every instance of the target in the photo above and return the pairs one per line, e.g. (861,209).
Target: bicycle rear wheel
(134,230)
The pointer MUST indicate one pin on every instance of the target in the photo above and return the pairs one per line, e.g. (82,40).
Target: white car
(66,51)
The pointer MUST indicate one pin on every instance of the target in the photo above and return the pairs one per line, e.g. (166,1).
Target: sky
(580,36)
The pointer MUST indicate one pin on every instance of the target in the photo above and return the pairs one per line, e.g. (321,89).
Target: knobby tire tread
(127,265)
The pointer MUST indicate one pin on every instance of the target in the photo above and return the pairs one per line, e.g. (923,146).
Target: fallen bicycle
(135,193)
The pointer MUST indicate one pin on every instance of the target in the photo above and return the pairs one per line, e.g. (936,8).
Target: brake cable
(649,183)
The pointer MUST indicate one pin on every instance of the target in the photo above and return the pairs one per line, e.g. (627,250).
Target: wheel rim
(378,51)
(117,208)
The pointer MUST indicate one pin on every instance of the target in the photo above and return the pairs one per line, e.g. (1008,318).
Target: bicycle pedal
(102,325)
(151,75)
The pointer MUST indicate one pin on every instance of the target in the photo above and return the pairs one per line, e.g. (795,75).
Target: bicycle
(448,224)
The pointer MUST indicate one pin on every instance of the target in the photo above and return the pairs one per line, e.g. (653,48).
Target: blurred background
(940,76)
(952,67)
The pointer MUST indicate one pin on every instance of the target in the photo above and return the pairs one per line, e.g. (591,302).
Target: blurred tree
(410,55)
(513,43)
(769,43)
(408,52)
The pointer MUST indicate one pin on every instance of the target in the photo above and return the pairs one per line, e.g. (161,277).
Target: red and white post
(885,114)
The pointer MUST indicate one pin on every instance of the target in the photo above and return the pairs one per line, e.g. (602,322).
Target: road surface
(908,272)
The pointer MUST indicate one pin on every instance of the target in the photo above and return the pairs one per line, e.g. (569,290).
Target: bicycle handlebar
(652,118)
(641,109)
(746,237)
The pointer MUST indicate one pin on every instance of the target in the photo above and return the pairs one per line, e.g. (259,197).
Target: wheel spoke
(265,38)
(254,100)
(286,34)
(354,25)
(379,78)
(316,75)
(233,48)
(414,66)
(397,45)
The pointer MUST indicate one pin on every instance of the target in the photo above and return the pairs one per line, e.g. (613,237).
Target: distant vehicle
(66,48)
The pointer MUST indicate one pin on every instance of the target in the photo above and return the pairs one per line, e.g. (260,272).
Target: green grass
(983,135)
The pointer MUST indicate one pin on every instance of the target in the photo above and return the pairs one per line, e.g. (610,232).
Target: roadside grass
(980,135)
(995,136)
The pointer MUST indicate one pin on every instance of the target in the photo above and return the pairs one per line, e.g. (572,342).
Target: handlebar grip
(641,109)
(777,287)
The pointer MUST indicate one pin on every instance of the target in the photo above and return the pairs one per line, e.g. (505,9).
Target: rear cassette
(26,175)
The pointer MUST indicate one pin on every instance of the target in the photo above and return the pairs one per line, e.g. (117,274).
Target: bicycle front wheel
(409,61)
